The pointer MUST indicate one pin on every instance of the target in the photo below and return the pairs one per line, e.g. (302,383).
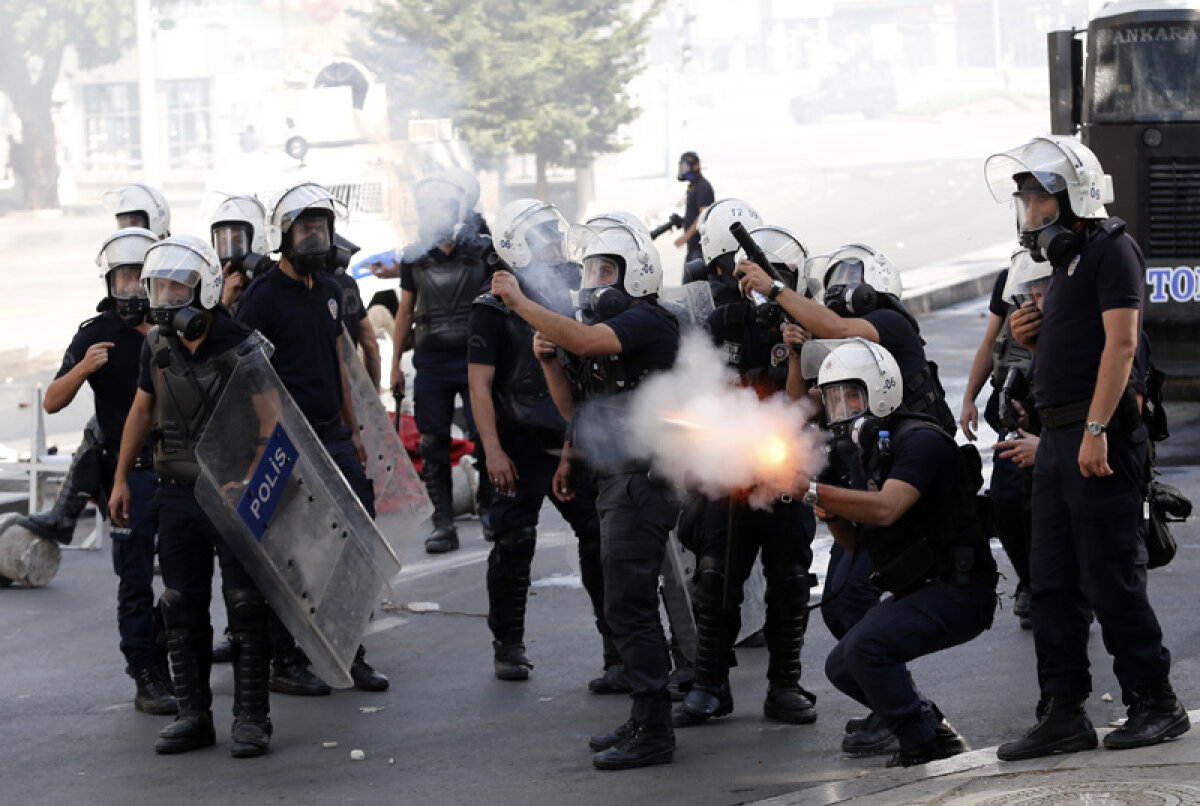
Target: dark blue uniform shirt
(115,383)
(303,323)
(898,337)
(646,334)
(1108,276)
(700,195)
(353,309)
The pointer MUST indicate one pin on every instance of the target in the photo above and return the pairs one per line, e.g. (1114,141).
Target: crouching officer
(1090,466)
(918,524)
(521,430)
(185,363)
(624,335)
(752,341)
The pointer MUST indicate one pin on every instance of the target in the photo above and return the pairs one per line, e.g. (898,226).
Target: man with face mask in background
(184,365)
(917,521)
(1091,463)
(138,206)
(522,431)
(440,276)
(104,354)
(699,197)
(752,341)
(624,335)
(297,307)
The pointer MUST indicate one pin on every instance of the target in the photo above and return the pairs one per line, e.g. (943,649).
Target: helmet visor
(232,241)
(171,289)
(1041,159)
(1034,209)
(844,400)
(311,235)
(1027,279)
(845,273)
(601,270)
(134,218)
(124,282)
(546,242)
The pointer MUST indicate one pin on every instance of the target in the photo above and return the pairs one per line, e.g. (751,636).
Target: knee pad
(518,544)
(788,587)
(247,610)
(710,582)
(180,610)
(435,447)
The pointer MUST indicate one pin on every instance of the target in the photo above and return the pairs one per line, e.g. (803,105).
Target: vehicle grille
(360,197)
(1174,208)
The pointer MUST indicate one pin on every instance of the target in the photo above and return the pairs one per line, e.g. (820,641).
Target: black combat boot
(710,695)
(153,696)
(787,622)
(1155,717)
(867,736)
(291,673)
(364,675)
(508,591)
(189,642)
(439,484)
(1063,728)
(642,745)
(80,485)
(613,680)
(252,728)
(603,741)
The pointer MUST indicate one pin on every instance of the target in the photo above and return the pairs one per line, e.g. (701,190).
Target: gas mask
(1046,223)
(601,304)
(846,292)
(689,170)
(311,241)
(125,290)
(1054,243)
(190,323)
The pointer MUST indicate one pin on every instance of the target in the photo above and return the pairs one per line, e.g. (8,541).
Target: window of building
(189,123)
(111,116)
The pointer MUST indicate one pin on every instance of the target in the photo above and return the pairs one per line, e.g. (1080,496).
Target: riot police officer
(239,235)
(1008,365)
(521,431)
(440,276)
(1091,463)
(104,354)
(751,339)
(623,335)
(718,248)
(918,523)
(185,363)
(297,307)
(138,206)
(700,197)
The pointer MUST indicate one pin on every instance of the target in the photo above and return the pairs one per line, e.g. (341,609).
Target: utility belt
(921,562)
(1125,419)
(327,429)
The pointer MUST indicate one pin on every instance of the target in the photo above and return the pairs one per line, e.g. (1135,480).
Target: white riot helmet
(239,228)
(618,265)
(528,231)
(120,261)
(306,246)
(469,184)
(859,378)
(1055,164)
(140,206)
(785,252)
(441,207)
(619,218)
(1027,279)
(715,238)
(183,279)
(853,276)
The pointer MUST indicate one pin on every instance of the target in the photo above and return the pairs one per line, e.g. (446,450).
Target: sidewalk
(1164,774)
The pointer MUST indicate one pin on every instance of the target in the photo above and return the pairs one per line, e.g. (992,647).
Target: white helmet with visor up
(530,231)
(1048,165)
(715,238)
(140,206)
(859,377)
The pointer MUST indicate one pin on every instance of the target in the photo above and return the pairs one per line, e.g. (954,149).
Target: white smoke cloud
(702,431)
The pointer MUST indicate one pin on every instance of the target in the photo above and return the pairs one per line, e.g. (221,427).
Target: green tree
(546,77)
(34,37)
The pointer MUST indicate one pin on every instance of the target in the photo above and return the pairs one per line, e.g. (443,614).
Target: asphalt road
(447,732)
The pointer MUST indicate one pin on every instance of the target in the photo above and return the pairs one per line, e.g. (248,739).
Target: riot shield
(691,303)
(401,503)
(754,604)
(290,518)
(677,569)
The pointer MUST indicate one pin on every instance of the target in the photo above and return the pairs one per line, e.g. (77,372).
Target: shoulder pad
(491,301)
(1113,226)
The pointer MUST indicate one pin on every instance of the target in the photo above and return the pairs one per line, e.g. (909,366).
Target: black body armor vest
(185,395)
(445,291)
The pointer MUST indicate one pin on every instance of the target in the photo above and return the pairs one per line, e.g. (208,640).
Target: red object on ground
(411,438)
